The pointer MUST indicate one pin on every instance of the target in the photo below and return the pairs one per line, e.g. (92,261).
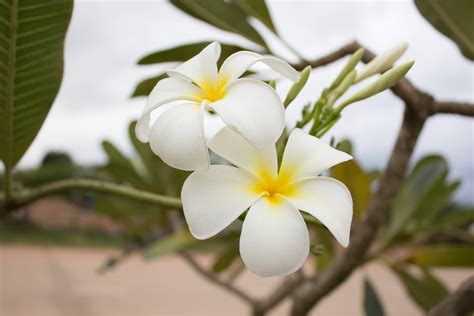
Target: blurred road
(53,281)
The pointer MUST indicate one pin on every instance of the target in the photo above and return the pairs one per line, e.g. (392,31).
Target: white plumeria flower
(249,106)
(274,239)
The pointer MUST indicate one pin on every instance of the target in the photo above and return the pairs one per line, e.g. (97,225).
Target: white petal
(202,68)
(329,201)
(165,91)
(236,64)
(253,109)
(236,149)
(274,239)
(214,198)
(177,137)
(307,156)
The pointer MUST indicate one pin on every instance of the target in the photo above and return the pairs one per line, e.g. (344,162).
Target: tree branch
(454,108)
(418,106)
(214,279)
(26,196)
(381,204)
(458,303)
(289,284)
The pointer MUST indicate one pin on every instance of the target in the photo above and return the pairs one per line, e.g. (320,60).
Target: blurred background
(56,256)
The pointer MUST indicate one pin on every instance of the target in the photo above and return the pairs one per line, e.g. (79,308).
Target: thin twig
(458,303)
(214,279)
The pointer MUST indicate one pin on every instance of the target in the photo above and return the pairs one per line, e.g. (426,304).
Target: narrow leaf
(258,9)
(222,14)
(426,291)
(144,87)
(185,52)
(453,256)
(372,304)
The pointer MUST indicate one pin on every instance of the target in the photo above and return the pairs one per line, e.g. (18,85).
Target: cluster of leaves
(426,230)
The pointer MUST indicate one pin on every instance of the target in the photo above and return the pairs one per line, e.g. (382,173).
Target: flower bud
(382,62)
(385,81)
(350,65)
(297,86)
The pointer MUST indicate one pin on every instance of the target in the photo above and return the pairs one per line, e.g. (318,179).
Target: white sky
(106,38)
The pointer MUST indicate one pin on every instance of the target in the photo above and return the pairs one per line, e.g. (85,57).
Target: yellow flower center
(272,187)
(213,91)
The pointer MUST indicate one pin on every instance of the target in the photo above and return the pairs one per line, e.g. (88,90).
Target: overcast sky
(106,38)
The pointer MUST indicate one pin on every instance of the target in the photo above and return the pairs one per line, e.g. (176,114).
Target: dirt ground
(54,281)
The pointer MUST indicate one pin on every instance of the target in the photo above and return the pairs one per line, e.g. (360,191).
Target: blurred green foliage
(452,18)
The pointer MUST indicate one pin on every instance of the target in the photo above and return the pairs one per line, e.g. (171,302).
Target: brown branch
(329,58)
(309,294)
(454,108)
(458,303)
(177,224)
(289,284)
(419,106)
(214,279)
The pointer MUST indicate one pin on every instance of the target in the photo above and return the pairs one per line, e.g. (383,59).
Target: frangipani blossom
(274,238)
(249,106)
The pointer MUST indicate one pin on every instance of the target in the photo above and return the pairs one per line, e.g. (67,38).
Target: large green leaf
(372,304)
(185,52)
(258,9)
(223,14)
(453,18)
(426,291)
(31,67)
(443,256)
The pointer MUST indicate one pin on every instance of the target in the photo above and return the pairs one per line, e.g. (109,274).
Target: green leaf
(31,68)
(176,242)
(185,52)
(121,168)
(258,9)
(222,14)
(443,256)
(144,87)
(372,304)
(452,217)
(417,194)
(452,18)
(225,260)
(426,291)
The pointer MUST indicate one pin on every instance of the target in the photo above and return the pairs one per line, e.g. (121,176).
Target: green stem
(26,196)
